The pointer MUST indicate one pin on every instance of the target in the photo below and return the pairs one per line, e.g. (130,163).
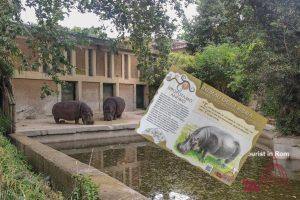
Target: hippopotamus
(211,140)
(73,110)
(113,108)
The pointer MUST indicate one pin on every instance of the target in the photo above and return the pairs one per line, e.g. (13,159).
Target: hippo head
(109,111)
(189,144)
(87,115)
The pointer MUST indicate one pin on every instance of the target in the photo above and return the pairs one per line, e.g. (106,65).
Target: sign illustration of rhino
(211,140)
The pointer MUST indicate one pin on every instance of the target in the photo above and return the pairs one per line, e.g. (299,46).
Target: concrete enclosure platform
(36,146)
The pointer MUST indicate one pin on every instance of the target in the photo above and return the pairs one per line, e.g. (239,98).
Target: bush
(84,189)
(5,123)
(219,66)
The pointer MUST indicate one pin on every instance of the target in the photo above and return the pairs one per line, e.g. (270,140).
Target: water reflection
(160,175)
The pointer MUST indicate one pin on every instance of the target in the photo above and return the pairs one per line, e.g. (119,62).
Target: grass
(84,189)
(17,181)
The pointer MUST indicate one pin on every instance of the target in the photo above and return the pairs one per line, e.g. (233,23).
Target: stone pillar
(123,66)
(94,62)
(131,154)
(79,91)
(59,96)
(112,65)
(86,56)
(105,65)
(146,96)
(117,89)
(134,97)
(73,61)
(101,96)
(66,57)
(129,66)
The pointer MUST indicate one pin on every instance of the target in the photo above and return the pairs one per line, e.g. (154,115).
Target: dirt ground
(47,122)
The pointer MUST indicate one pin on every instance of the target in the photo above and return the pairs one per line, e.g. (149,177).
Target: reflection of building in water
(122,161)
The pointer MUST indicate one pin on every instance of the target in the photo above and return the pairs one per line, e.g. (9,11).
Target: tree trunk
(8,102)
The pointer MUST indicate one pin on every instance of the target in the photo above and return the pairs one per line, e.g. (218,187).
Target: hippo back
(68,110)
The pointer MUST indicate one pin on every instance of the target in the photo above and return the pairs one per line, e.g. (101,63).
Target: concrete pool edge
(82,128)
(61,167)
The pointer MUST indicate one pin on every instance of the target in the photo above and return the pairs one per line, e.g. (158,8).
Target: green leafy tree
(268,31)
(142,20)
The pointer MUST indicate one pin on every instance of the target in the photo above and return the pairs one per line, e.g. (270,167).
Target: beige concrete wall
(28,102)
(100,63)
(80,61)
(29,54)
(134,70)
(118,65)
(127,93)
(91,95)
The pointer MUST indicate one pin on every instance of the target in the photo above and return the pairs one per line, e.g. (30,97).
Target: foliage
(182,60)
(268,34)
(5,123)
(85,189)
(16,179)
(219,66)
(10,26)
(91,31)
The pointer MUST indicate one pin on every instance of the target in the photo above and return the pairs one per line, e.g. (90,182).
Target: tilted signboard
(201,125)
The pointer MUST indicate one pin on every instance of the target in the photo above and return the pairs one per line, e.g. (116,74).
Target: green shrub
(5,123)
(84,189)
(17,181)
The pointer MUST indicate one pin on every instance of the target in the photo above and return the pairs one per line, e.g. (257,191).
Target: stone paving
(48,123)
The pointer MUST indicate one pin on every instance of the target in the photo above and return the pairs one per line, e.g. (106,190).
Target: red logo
(272,174)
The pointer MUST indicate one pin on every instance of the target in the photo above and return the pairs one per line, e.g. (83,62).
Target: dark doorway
(108,90)
(68,91)
(140,92)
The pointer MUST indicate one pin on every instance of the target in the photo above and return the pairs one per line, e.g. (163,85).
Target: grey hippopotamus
(73,110)
(211,140)
(113,108)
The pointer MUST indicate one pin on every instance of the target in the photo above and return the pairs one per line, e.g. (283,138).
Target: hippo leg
(115,116)
(233,156)
(56,120)
(77,121)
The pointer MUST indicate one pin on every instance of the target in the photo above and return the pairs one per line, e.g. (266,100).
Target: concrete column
(40,67)
(134,97)
(101,96)
(131,154)
(123,66)
(59,96)
(112,65)
(146,96)
(73,61)
(66,57)
(105,65)
(129,66)
(139,74)
(79,91)
(94,62)
(86,56)
(117,89)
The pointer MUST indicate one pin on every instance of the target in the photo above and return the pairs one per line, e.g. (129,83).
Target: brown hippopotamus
(73,110)
(113,108)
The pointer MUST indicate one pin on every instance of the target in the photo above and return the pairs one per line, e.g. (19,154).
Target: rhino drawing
(211,140)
